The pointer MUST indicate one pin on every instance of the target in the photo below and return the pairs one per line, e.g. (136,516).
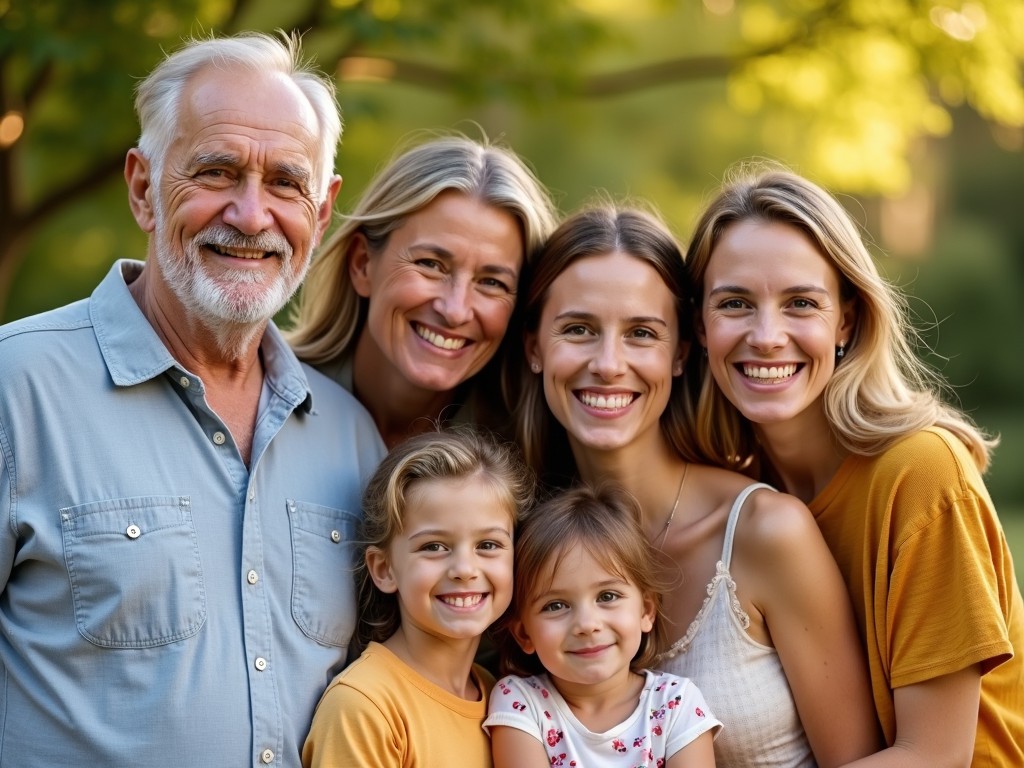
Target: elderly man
(179,493)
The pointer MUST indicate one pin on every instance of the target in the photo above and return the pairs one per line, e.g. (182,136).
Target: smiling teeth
(462,602)
(438,340)
(606,402)
(237,253)
(774,373)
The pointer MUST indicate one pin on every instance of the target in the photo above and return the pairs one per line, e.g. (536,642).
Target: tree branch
(37,85)
(683,69)
(237,9)
(56,198)
(659,73)
(6,166)
(311,20)
(398,70)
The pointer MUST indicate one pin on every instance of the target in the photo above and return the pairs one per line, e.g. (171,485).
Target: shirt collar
(134,353)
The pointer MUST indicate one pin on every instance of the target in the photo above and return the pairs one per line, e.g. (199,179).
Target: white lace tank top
(741,679)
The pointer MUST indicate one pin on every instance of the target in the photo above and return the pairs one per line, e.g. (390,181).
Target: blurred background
(911,110)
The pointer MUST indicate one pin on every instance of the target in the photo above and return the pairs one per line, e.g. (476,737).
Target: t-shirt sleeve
(685,714)
(515,702)
(350,731)
(949,592)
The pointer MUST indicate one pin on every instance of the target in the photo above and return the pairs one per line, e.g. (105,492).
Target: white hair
(158,97)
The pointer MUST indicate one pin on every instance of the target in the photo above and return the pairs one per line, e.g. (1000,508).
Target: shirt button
(335,536)
(267,756)
(252,577)
(252,495)
(218,438)
(185,383)
(133,531)
(260,663)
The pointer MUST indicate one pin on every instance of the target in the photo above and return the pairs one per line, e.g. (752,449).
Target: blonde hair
(603,520)
(158,96)
(440,455)
(881,391)
(594,231)
(330,314)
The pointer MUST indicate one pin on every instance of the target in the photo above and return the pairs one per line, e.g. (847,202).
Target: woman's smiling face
(608,347)
(771,319)
(441,292)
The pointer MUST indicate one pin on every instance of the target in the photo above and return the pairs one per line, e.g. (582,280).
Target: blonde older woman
(408,302)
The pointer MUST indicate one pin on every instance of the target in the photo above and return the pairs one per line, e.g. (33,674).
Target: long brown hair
(594,231)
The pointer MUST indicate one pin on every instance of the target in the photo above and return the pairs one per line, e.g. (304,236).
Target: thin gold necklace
(675,506)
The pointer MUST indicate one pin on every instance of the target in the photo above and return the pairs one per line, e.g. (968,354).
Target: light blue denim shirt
(161,603)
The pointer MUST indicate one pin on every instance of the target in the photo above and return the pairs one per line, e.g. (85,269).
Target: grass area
(1013,524)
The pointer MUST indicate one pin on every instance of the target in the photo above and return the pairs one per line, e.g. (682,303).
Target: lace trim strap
(721,578)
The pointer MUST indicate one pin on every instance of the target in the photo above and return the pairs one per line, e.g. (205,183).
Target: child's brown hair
(606,521)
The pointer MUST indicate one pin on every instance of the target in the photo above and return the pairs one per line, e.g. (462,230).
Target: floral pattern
(670,709)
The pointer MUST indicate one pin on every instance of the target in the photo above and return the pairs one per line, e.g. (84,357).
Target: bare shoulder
(774,526)
(713,486)
(781,555)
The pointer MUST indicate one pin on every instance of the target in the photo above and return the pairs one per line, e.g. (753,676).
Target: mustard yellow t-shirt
(381,713)
(927,565)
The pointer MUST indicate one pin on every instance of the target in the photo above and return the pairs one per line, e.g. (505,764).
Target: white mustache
(224,236)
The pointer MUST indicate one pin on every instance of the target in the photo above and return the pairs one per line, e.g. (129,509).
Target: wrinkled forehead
(267,110)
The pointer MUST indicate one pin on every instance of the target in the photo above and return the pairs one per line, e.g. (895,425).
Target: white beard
(235,306)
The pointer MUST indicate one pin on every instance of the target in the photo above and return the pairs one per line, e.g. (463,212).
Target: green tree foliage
(654,98)
(840,88)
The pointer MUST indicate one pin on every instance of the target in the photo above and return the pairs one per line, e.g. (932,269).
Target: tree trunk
(12,252)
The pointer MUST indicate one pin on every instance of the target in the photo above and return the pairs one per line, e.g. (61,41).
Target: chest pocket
(323,583)
(136,576)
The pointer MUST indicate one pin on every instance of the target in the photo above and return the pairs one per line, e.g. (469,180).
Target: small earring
(535,367)
(705,352)
(840,350)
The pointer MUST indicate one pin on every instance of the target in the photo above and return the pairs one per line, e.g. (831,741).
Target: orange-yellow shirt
(932,580)
(381,712)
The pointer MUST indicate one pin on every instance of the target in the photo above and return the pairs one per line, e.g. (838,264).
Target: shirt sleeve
(515,703)
(949,592)
(350,731)
(687,716)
